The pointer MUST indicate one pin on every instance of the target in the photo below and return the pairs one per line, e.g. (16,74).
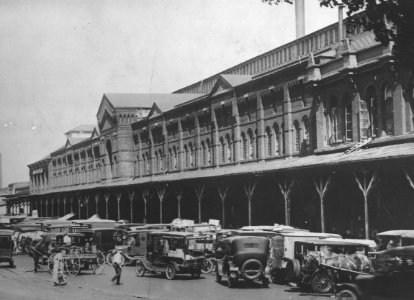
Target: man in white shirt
(117,263)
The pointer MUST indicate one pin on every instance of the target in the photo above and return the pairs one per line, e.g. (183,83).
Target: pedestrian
(117,263)
(59,277)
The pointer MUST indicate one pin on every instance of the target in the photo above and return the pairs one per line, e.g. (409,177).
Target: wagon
(320,265)
(80,254)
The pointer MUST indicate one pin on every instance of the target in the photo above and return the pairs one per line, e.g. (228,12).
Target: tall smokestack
(1,172)
(300,18)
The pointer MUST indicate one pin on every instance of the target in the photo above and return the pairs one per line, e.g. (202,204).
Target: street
(22,283)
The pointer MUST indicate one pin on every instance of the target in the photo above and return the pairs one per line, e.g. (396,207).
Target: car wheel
(278,276)
(170,272)
(348,295)
(140,269)
(251,269)
(321,283)
(207,266)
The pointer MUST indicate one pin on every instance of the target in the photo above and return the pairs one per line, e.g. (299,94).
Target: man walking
(117,262)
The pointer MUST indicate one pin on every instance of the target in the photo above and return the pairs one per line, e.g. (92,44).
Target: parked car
(395,238)
(284,252)
(7,247)
(171,253)
(243,257)
(320,265)
(392,278)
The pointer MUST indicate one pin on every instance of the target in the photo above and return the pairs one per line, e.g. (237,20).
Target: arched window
(244,147)
(296,136)
(204,153)
(283,146)
(157,162)
(305,132)
(250,144)
(191,155)
(109,151)
(222,151)
(388,111)
(276,135)
(187,156)
(170,159)
(229,145)
(268,142)
(208,144)
(161,163)
(372,106)
(347,117)
(175,160)
(333,121)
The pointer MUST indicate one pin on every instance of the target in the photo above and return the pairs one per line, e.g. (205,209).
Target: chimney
(300,18)
(341,31)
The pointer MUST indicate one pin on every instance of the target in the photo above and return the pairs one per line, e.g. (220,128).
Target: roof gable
(227,82)
(95,133)
(155,110)
(107,121)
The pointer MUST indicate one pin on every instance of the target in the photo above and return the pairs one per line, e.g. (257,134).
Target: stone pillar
(180,146)
(236,131)
(287,120)
(198,149)
(399,110)
(260,127)
(215,139)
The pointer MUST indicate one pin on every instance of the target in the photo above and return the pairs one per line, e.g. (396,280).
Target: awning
(66,217)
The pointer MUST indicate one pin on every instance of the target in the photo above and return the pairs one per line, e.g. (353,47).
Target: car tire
(140,269)
(170,271)
(292,271)
(348,294)
(251,269)
(321,283)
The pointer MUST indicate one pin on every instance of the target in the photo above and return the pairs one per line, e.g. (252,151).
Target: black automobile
(393,277)
(243,257)
(6,247)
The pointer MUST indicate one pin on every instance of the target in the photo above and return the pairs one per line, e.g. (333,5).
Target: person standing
(117,263)
(58,277)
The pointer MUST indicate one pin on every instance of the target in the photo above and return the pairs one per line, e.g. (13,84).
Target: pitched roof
(164,101)
(83,127)
(235,79)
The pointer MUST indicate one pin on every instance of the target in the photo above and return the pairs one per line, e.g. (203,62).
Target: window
(371,100)
(204,153)
(268,142)
(276,134)
(305,133)
(222,150)
(161,163)
(388,112)
(333,122)
(250,144)
(244,147)
(191,158)
(208,152)
(296,135)
(348,117)
(187,156)
(228,144)
(175,160)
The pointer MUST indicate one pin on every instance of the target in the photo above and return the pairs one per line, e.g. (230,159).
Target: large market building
(274,139)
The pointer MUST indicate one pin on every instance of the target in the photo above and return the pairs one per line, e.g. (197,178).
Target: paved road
(22,283)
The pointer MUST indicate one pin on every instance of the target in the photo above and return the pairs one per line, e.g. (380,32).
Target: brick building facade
(261,142)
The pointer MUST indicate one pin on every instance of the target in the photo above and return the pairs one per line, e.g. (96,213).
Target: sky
(58,57)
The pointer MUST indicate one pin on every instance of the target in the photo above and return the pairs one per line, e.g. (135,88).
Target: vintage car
(392,278)
(395,238)
(283,251)
(102,237)
(320,265)
(243,257)
(172,253)
(6,247)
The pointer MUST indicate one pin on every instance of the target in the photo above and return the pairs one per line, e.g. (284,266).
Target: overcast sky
(57,58)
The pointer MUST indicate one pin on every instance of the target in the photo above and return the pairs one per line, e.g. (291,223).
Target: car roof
(242,237)
(337,242)
(407,250)
(6,232)
(309,234)
(173,233)
(401,232)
